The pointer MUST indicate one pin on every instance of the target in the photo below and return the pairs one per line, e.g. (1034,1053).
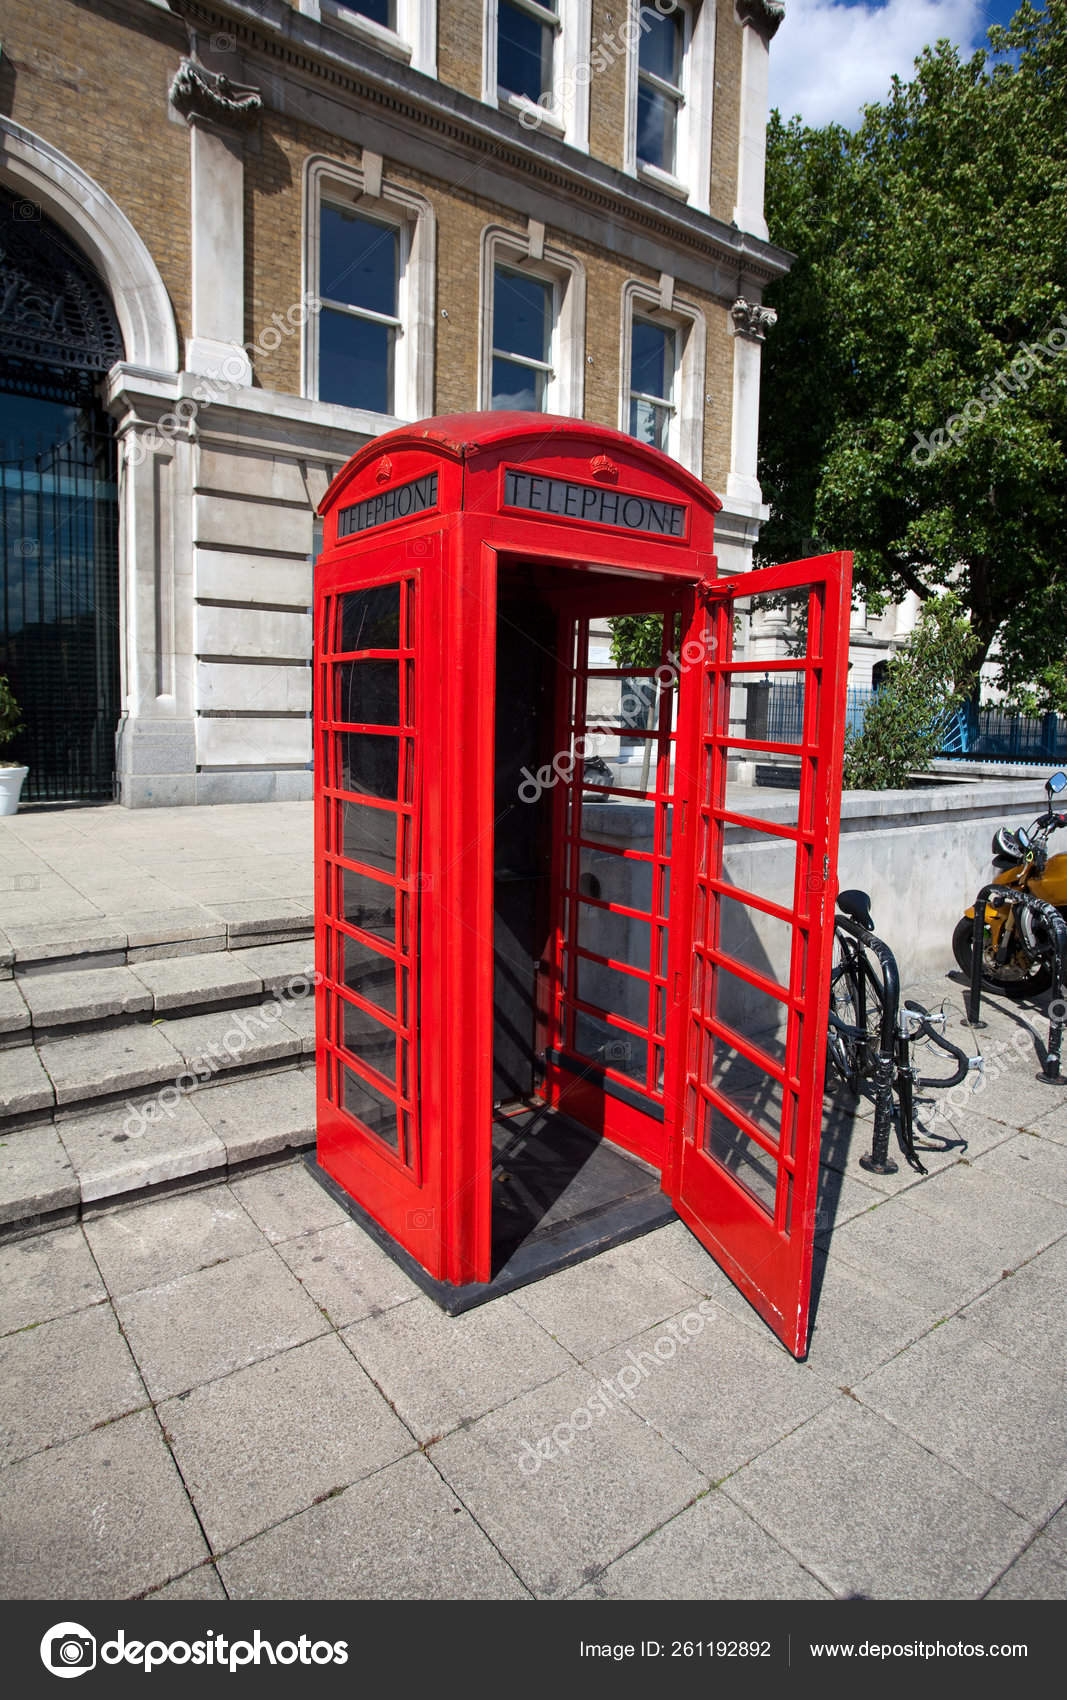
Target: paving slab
(1037,1574)
(1009,1220)
(36,1175)
(440,1371)
(272,1439)
(1055,1532)
(667,1375)
(177,925)
(94,1065)
(1039,1165)
(400,1535)
(711,1551)
(858,1323)
(46,1276)
(951,1390)
(202,1326)
(299,1016)
(25,1085)
(101,1518)
(87,994)
(347,1275)
(874,1515)
(233,1038)
(200,1584)
(61,1379)
(287,1201)
(168,1237)
(901,1251)
(604,1300)
(117,1149)
(275,915)
(14,1015)
(175,982)
(261,1113)
(609,1481)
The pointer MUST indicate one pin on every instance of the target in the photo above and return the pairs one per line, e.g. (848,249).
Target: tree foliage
(914,403)
(636,640)
(10,715)
(904,725)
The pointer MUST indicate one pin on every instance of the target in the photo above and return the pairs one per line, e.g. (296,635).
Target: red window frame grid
(717,742)
(405,884)
(574,723)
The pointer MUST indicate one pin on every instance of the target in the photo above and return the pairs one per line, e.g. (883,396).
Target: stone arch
(33,167)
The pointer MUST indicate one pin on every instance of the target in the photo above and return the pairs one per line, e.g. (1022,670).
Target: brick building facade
(315,220)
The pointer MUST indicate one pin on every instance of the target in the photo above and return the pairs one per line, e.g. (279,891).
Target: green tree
(10,719)
(915,386)
(904,726)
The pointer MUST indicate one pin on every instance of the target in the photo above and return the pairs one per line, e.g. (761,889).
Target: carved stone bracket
(763,15)
(198,93)
(751,321)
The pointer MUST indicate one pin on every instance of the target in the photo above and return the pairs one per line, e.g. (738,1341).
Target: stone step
(85,1162)
(116,942)
(171,1055)
(42,1006)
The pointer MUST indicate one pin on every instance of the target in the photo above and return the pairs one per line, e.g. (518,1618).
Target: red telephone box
(526,903)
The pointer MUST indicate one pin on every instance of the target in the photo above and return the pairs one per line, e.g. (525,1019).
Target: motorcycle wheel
(1017,978)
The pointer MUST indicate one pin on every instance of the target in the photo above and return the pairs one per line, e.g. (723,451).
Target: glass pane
(774,625)
(368,692)
(368,904)
(769,709)
(766,786)
(619,994)
(355,361)
(367,1039)
(650,424)
(610,1047)
(370,619)
(615,879)
(367,835)
(359,260)
(741,1157)
(378,11)
(370,1107)
(362,970)
(661,44)
(523,52)
(753,1015)
(758,941)
(621,937)
(767,869)
(616,820)
(655,128)
(652,359)
(517,388)
(367,762)
(522,314)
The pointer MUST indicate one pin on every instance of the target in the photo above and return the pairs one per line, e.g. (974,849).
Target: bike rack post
(974,1000)
(878,1161)
(1050,1070)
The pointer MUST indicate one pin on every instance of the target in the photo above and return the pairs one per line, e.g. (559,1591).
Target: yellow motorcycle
(1019,955)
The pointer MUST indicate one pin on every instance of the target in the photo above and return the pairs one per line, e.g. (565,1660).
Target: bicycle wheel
(856,1002)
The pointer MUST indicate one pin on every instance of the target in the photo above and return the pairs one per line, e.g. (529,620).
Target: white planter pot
(10,785)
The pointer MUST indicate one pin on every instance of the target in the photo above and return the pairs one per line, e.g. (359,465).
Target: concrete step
(86,1162)
(43,1006)
(170,1056)
(124,941)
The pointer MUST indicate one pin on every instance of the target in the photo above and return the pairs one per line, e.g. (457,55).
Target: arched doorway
(59,556)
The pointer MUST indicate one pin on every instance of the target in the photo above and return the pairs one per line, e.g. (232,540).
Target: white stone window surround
(691,178)
(566,113)
(527,252)
(658,303)
(414,39)
(365,188)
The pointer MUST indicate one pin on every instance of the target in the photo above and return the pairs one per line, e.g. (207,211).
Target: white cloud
(828,59)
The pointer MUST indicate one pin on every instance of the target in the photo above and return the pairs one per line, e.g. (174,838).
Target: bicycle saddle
(857,905)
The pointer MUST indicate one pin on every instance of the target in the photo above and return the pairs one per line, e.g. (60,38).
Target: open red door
(756,947)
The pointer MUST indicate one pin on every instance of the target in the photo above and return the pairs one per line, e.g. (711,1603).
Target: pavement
(228,1390)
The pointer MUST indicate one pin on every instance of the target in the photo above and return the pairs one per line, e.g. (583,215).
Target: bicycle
(870,1034)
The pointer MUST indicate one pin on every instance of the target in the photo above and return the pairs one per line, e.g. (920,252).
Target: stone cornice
(764,15)
(315,55)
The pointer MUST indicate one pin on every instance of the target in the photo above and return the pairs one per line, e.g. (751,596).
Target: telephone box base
(561,1194)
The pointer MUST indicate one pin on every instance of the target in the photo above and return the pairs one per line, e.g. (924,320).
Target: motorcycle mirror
(1057,783)
(1024,837)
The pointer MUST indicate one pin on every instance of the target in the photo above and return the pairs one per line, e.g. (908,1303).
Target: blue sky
(831,56)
